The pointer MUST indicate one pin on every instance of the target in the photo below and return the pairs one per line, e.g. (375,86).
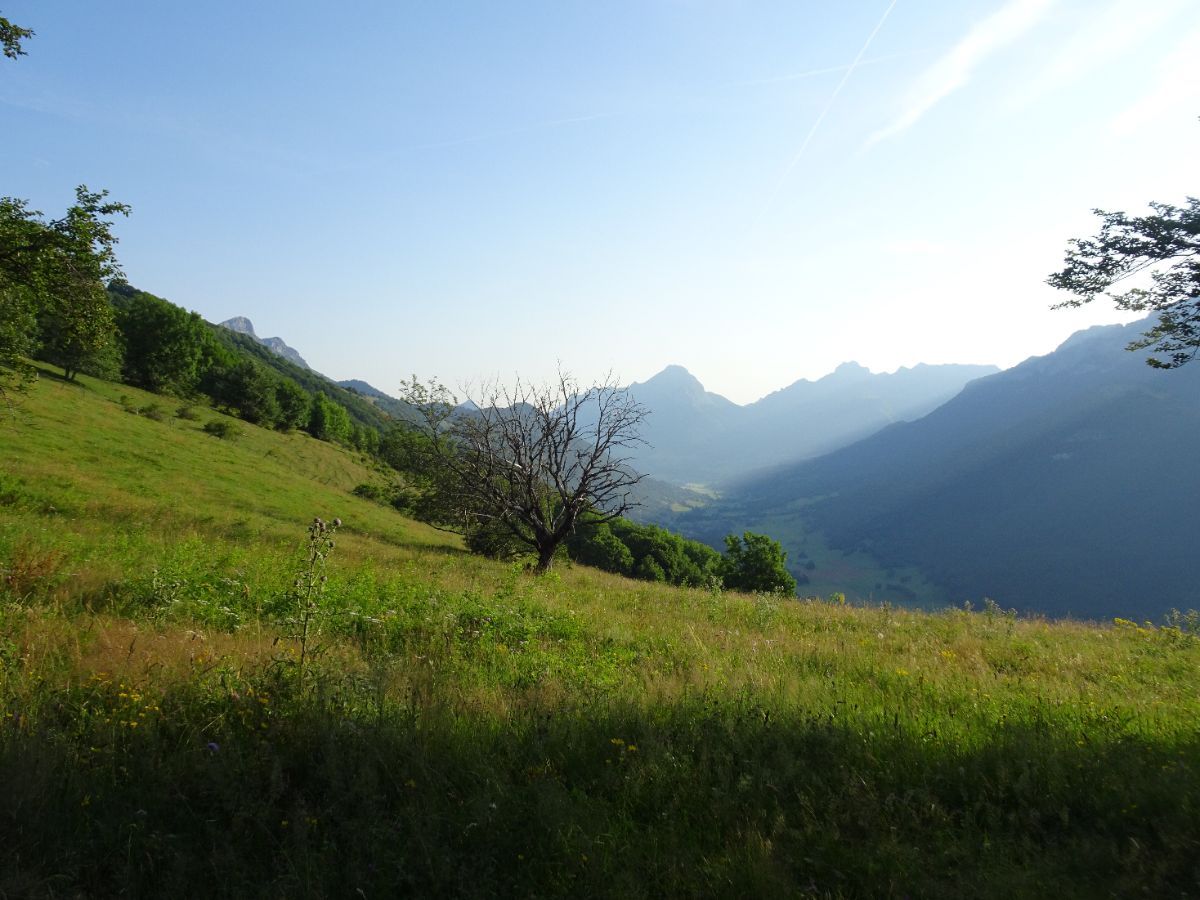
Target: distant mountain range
(242,325)
(696,436)
(1063,486)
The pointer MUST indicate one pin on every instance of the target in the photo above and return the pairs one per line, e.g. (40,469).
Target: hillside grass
(467,729)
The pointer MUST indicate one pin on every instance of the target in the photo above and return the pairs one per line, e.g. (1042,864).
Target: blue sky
(756,191)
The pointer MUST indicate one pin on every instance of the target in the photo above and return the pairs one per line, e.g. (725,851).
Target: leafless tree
(530,460)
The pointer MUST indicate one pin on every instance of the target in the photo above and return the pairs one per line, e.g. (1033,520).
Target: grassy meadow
(462,728)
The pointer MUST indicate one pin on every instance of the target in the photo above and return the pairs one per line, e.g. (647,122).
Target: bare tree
(531,460)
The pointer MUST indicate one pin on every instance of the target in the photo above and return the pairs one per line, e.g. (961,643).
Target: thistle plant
(309,587)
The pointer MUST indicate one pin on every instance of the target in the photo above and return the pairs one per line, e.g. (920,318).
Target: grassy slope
(470,730)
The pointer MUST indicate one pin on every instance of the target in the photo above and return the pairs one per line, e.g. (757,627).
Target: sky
(757,191)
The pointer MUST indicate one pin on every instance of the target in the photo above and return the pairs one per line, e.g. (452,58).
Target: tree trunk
(545,558)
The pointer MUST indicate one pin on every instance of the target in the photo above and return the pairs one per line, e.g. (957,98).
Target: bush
(755,562)
(153,411)
(374,492)
(222,429)
(187,412)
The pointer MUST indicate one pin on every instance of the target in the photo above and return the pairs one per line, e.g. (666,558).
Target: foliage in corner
(1166,246)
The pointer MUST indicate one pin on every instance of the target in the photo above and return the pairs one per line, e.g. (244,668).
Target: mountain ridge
(1055,486)
(697,436)
(276,345)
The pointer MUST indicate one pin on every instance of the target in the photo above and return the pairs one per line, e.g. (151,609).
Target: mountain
(367,390)
(393,406)
(684,424)
(276,345)
(1060,486)
(695,436)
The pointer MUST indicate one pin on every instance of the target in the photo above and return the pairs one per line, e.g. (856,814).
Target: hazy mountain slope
(1061,485)
(367,390)
(276,345)
(698,436)
(685,422)
(394,407)
(815,417)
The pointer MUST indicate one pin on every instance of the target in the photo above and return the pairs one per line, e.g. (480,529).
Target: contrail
(837,90)
(821,118)
(812,73)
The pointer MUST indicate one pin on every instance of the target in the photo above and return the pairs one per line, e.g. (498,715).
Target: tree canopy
(165,345)
(1163,247)
(756,562)
(52,275)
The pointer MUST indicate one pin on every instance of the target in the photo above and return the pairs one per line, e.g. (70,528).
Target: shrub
(153,411)
(756,562)
(222,429)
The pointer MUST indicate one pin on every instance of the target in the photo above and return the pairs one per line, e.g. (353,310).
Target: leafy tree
(76,321)
(52,274)
(660,555)
(756,562)
(165,345)
(78,333)
(364,439)
(20,233)
(295,406)
(328,421)
(602,549)
(532,460)
(1166,246)
(648,568)
(250,393)
(431,494)
(11,36)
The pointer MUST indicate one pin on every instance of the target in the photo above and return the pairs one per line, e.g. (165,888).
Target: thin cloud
(954,70)
(1176,88)
(1103,37)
